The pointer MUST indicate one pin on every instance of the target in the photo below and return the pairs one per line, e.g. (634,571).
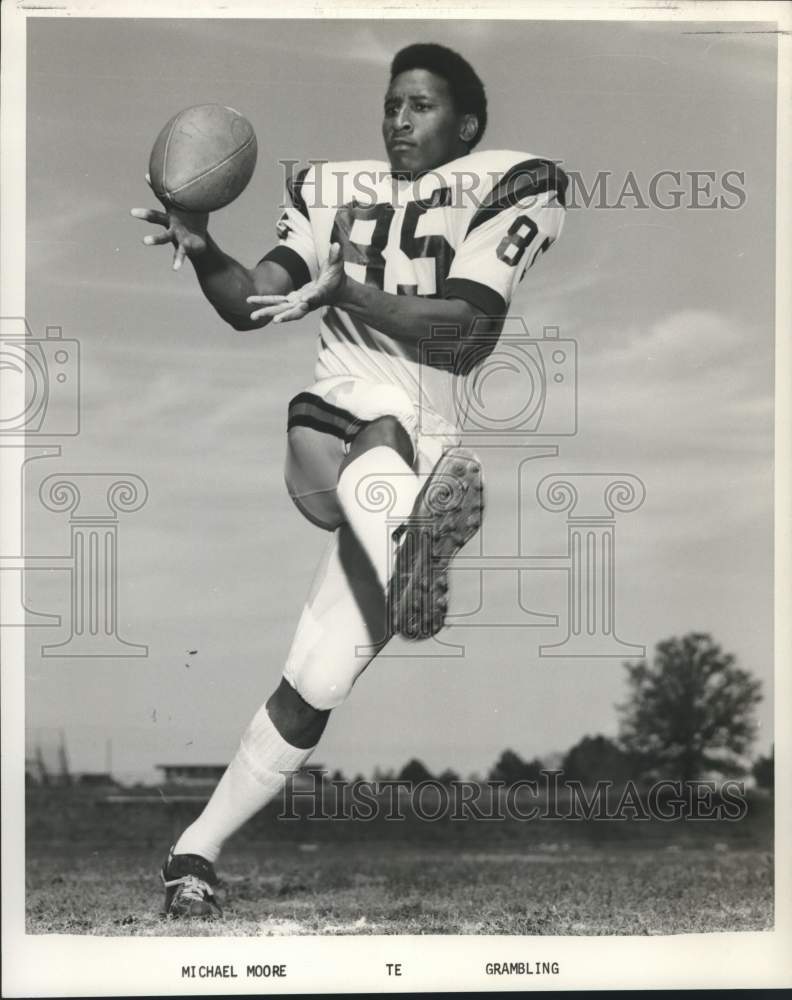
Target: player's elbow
(237,323)
(469,317)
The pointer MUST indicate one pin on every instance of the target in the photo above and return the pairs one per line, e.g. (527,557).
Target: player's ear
(469,128)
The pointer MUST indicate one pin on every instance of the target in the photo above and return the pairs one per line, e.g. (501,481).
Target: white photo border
(60,965)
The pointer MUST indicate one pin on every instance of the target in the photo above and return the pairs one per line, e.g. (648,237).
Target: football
(203,158)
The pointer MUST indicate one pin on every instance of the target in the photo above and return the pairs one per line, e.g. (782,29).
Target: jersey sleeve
(296,249)
(518,220)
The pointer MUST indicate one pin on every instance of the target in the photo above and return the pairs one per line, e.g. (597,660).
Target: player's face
(421,127)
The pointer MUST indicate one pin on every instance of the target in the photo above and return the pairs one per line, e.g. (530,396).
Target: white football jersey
(469,230)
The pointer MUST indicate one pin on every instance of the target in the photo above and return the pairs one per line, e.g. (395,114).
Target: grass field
(97,874)
(387,890)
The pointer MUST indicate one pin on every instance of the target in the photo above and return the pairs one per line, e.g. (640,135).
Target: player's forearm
(404,317)
(226,284)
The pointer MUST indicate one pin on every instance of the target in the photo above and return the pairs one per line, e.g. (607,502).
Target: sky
(672,312)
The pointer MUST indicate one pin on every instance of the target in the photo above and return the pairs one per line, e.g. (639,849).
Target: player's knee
(389,431)
(388,406)
(393,401)
(321,694)
(387,428)
(390,419)
(320,691)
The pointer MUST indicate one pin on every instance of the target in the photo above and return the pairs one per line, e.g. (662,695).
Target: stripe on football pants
(307,410)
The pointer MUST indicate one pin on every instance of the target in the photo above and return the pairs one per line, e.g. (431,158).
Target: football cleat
(189,882)
(446,515)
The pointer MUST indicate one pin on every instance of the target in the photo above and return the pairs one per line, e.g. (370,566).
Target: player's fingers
(270,312)
(308,300)
(295,312)
(158,239)
(150,215)
(178,257)
(266,300)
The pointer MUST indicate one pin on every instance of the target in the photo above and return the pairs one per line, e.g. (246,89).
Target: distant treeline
(593,759)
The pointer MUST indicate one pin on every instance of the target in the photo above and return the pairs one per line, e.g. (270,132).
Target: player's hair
(467,90)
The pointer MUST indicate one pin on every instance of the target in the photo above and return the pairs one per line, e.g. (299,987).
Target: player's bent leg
(342,628)
(369,434)
(446,514)
(351,448)
(330,425)
(377,488)
(386,431)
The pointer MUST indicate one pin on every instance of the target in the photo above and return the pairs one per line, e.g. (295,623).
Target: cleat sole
(447,514)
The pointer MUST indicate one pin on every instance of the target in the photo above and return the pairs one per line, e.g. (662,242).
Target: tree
(764,770)
(596,758)
(690,712)
(415,771)
(510,768)
(448,776)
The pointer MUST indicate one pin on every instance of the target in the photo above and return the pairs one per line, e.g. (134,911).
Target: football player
(436,238)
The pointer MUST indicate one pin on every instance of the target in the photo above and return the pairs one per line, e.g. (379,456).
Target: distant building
(200,775)
(96,779)
(191,774)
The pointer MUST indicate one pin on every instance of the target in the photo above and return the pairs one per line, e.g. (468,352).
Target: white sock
(252,779)
(367,489)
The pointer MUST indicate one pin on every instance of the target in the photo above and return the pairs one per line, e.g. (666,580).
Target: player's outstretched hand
(321,292)
(185,230)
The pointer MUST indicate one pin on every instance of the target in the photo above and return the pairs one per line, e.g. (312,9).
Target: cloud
(687,402)
(695,369)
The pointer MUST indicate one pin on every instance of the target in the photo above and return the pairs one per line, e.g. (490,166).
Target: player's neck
(414,175)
